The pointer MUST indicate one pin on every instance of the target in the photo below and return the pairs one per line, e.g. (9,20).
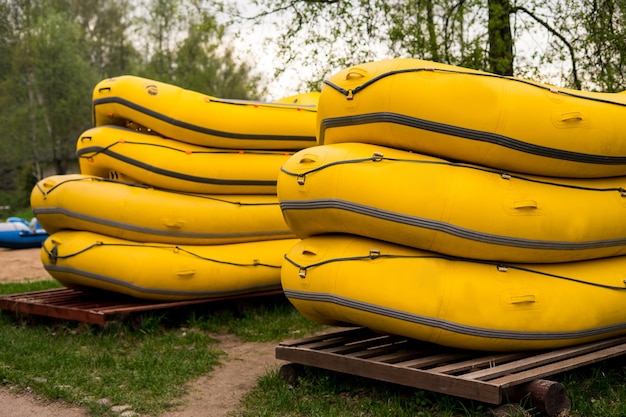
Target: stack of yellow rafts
(176,196)
(460,208)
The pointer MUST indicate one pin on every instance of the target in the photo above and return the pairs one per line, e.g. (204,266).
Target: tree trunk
(500,38)
(34,151)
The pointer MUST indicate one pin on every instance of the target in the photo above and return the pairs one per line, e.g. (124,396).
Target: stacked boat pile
(176,196)
(461,208)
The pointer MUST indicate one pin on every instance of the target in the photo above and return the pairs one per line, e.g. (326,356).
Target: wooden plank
(540,359)
(416,378)
(352,346)
(561,366)
(383,348)
(344,334)
(337,341)
(401,356)
(431,359)
(479,363)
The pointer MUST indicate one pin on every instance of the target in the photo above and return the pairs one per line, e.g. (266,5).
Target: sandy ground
(212,395)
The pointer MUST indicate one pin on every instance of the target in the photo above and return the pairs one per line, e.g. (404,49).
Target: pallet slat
(476,363)
(561,366)
(534,360)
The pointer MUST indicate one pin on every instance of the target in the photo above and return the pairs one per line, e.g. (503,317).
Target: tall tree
(471,33)
(56,75)
(185,47)
(500,38)
(603,44)
(583,39)
(108,28)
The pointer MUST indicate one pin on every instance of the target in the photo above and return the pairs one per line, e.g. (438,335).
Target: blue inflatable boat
(18,233)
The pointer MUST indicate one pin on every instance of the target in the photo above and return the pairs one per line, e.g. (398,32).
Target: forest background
(53,53)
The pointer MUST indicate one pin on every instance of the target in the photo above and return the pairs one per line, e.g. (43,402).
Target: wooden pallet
(487,377)
(96,307)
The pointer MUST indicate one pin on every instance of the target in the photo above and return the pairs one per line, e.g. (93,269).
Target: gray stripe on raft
(146,290)
(470,134)
(196,128)
(447,325)
(169,173)
(337,204)
(158,232)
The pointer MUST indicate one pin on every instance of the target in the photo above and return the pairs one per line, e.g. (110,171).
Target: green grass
(82,364)
(271,321)
(40,285)
(144,362)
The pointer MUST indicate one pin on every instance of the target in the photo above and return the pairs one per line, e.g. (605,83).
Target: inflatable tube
(79,259)
(145,214)
(120,153)
(349,280)
(450,208)
(200,119)
(476,117)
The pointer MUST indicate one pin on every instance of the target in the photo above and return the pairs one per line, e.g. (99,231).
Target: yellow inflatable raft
(450,208)
(348,280)
(200,119)
(163,272)
(476,117)
(144,214)
(120,153)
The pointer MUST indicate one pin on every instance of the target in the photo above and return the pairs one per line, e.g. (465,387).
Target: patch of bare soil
(214,395)
(21,265)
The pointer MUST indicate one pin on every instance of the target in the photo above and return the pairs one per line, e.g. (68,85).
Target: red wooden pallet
(486,377)
(96,307)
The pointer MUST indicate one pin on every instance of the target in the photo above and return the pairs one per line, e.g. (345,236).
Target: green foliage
(581,44)
(327,36)
(53,52)
(603,48)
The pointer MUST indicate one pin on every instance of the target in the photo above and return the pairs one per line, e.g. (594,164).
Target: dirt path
(221,391)
(214,395)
